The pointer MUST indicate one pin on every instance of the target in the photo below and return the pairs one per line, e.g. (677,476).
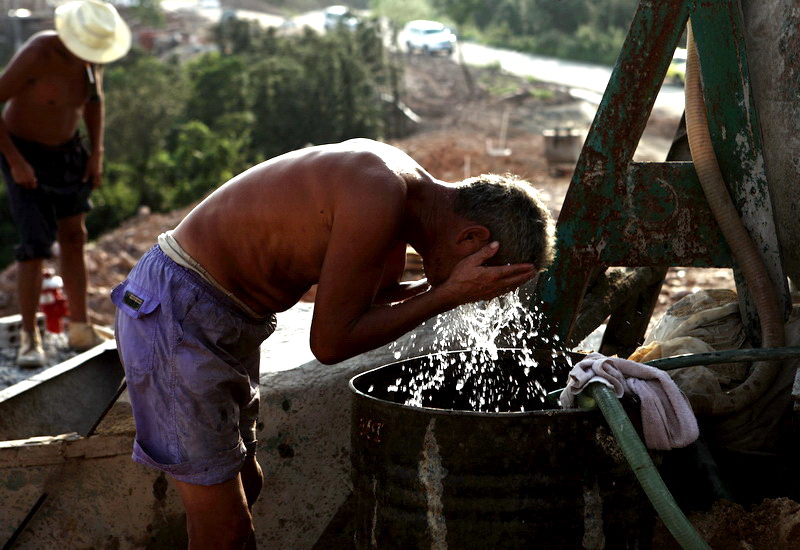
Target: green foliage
(238,36)
(400,12)
(115,201)
(584,30)
(496,82)
(219,85)
(176,132)
(201,161)
(144,99)
(542,93)
(312,88)
(148,12)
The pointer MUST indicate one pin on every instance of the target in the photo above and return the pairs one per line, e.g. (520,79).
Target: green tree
(401,12)
(145,99)
(219,84)
(201,161)
(576,29)
(148,12)
(312,88)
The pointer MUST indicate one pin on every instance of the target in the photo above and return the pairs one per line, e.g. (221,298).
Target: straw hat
(93,30)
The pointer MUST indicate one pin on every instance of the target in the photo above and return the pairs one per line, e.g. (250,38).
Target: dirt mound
(108,261)
(773,524)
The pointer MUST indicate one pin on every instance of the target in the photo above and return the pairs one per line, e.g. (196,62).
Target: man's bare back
(265,234)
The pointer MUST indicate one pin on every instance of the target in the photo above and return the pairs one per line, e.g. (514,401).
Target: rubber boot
(84,336)
(31,352)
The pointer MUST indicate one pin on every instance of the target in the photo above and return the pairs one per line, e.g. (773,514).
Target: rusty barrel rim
(550,355)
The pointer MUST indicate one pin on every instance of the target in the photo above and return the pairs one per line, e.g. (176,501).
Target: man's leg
(71,238)
(29,288)
(252,479)
(217,516)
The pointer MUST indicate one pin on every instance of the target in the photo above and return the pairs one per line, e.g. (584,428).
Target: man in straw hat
(48,86)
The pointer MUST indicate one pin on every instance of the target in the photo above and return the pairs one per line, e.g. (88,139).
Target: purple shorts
(191,360)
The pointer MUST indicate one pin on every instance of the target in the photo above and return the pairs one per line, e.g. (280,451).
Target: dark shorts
(61,193)
(191,359)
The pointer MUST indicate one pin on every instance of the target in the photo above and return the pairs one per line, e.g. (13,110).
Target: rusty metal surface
(663,220)
(592,203)
(440,477)
(772,35)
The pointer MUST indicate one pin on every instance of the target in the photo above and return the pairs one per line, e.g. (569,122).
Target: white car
(428,37)
(336,16)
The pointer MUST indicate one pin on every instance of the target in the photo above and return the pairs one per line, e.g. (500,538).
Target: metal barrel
(444,476)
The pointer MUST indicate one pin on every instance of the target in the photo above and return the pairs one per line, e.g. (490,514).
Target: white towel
(667,418)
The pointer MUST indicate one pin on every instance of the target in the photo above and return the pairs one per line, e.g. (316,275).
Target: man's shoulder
(42,45)
(44,39)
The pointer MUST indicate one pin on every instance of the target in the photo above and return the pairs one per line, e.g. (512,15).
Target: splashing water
(474,379)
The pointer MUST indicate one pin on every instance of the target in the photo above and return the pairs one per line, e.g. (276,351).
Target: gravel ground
(56,349)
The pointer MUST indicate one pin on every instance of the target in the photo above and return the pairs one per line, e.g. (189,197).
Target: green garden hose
(644,469)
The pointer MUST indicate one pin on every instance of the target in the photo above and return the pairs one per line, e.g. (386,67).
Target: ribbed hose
(741,244)
(644,469)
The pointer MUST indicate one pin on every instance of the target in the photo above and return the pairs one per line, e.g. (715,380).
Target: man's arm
(17,73)
(391,288)
(347,320)
(401,291)
(94,118)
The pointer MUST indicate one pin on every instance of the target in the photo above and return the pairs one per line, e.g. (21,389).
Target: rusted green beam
(621,213)
(600,177)
(661,217)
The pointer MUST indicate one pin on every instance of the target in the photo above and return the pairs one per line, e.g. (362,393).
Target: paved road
(586,81)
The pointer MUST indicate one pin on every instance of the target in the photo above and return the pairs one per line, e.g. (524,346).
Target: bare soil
(773,524)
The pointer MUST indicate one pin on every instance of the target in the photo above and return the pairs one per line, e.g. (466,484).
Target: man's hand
(23,175)
(94,171)
(472,281)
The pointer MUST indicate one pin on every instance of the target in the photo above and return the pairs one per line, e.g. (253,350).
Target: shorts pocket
(137,323)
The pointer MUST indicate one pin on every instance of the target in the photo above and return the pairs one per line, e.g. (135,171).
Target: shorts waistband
(173,250)
(76,141)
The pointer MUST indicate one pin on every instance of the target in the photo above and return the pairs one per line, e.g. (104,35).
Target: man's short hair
(514,214)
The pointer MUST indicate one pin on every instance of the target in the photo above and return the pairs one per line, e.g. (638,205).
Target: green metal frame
(623,213)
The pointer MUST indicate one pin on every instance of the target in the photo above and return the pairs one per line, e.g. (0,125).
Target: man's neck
(428,211)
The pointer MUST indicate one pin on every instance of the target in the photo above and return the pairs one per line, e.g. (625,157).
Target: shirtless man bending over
(195,309)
